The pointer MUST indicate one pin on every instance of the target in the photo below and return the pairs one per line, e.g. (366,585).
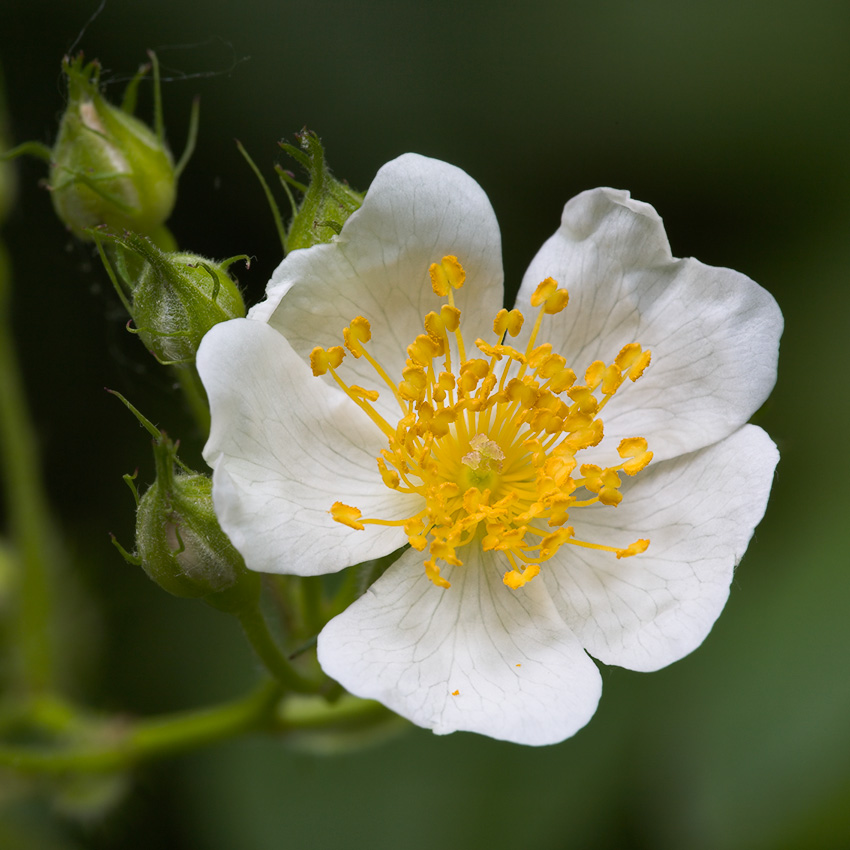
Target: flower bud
(181,545)
(175,298)
(107,167)
(327,202)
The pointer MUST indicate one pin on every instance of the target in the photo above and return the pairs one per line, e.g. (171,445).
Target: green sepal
(326,203)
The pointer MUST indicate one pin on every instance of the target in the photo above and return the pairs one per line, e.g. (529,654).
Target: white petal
(713,333)
(476,656)
(699,512)
(417,210)
(284,447)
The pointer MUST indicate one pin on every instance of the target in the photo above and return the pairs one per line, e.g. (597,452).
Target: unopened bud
(174,298)
(179,542)
(108,167)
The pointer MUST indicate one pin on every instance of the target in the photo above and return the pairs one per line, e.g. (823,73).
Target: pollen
(491,435)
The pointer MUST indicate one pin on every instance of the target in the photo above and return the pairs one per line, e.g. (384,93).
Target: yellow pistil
(490,442)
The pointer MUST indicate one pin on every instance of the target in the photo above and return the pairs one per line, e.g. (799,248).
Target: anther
(627,356)
(433,573)
(612,379)
(450,316)
(593,374)
(448,273)
(642,362)
(507,322)
(358,332)
(633,549)
(424,349)
(388,476)
(321,360)
(347,515)
(539,354)
(550,297)
(634,448)
(544,290)
(434,326)
(515,579)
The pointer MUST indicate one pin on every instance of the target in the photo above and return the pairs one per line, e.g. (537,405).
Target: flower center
(483,464)
(490,442)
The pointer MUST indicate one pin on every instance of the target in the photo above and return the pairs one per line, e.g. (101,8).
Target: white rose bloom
(538,537)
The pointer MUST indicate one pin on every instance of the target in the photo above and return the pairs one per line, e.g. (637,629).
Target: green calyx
(174,298)
(179,543)
(326,203)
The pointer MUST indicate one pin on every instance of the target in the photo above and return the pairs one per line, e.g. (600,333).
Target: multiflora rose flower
(573,476)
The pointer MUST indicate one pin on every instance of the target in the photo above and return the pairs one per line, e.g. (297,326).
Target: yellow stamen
(322,360)
(547,295)
(633,549)
(356,334)
(433,573)
(637,370)
(490,444)
(446,274)
(507,322)
(636,449)
(347,515)
(516,578)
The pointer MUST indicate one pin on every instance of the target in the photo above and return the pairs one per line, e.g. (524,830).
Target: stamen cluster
(490,440)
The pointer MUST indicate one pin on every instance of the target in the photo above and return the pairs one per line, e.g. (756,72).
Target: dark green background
(733,119)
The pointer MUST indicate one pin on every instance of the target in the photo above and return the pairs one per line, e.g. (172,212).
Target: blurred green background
(733,120)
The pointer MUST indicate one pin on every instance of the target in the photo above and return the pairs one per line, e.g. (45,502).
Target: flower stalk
(257,632)
(123,745)
(120,744)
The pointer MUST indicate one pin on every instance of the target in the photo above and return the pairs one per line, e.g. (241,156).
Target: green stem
(150,739)
(347,592)
(29,517)
(35,149)
(314,713)
(257,631)
(313,602)
(43,713)
(196,396)
(124,745)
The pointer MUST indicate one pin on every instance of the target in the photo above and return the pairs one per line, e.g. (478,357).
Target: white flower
(486,456)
